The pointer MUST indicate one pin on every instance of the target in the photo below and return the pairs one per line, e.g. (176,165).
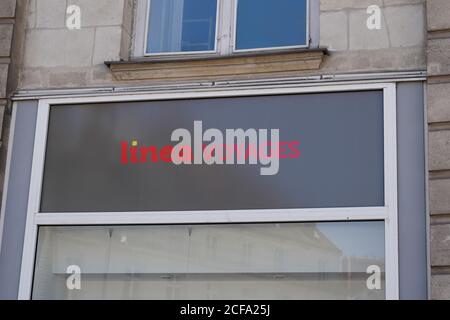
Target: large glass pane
(331,154)
(255,261)
(181,25)
(271,23)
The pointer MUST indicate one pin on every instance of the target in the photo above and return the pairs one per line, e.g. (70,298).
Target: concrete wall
(55,57)
(398,45)
(58,57)
(439,143)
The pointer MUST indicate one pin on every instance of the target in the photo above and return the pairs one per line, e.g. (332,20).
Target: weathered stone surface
(361,38)
(411,58)
(79,48)
(59,47)
(126,44)
(326,5)
(3,78)
(7,8)
(347,4)
(439,196)
(33,78)
(50,13)
(66,77)
(406,25)
(400,2)
(107,44)
(438,102)
(440,287)
(31,16)
(100,12)
(333,30)
(343,28)
(43,48)
(214,68)
(128,13)
(401,26)
(100,74)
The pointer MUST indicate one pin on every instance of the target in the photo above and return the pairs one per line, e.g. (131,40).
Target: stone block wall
(7,23)
(56,57)
(438,96)
(414,35)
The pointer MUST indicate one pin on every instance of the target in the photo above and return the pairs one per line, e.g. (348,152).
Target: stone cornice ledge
(235,66)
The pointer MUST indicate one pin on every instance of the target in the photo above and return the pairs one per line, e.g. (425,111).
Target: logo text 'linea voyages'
(212,147)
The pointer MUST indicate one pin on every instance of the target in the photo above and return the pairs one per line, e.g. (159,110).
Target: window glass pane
(271,23)
(255,261)
(181,25)
(331,154)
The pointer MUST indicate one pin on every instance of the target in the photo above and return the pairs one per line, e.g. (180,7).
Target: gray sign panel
(331,154)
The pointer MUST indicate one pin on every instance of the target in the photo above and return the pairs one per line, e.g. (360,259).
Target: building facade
(136,138)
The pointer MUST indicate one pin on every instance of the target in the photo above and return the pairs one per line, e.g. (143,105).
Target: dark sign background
(341,162)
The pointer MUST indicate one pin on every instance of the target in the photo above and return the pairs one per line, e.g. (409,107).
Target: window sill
(210,67)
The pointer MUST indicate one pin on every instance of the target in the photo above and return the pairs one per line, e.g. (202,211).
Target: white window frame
(387,213)
(226,29)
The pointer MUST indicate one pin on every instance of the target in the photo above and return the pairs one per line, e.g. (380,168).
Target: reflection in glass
(341,162)
(181,25)
(257,261)
(271,23)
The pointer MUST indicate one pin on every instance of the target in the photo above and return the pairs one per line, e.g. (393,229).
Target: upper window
(224,27)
